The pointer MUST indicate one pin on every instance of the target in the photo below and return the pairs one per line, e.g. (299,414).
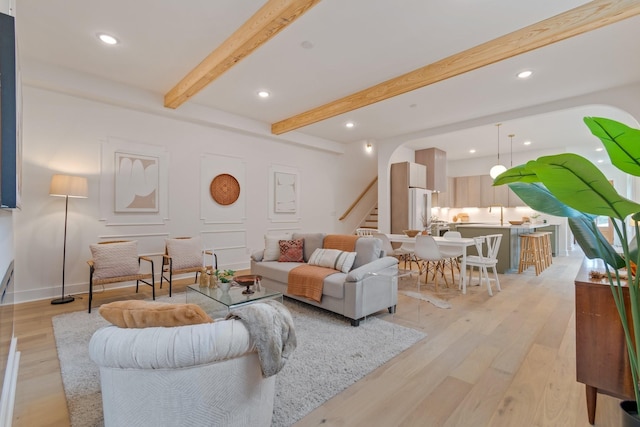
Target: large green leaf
(621,142)
(539,198)
(518,173)
(578,183)
(592,242)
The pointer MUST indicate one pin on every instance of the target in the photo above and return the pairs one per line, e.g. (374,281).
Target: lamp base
(62,300)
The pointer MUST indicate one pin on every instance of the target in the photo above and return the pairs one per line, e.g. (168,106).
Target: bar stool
(530,252)
(548,251)
(544,248)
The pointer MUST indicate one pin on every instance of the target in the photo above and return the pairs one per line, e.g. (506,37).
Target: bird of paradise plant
(569,185)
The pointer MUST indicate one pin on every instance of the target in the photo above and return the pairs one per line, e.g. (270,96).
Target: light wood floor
(506,360)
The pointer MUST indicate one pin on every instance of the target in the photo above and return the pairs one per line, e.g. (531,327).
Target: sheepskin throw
(271,328)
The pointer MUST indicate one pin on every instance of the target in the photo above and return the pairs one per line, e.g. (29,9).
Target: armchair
(118,261)
(184,255)
(208,374)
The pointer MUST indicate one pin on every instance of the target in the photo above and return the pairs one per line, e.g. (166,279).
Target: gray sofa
(370,286)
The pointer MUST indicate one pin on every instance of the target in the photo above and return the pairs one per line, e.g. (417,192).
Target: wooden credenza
(602,363)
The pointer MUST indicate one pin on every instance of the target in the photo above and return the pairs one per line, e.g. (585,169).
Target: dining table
(463,242)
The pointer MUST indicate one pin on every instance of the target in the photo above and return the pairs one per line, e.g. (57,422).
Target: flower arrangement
(224,276)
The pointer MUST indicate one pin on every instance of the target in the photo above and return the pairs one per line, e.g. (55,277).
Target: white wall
(63,134)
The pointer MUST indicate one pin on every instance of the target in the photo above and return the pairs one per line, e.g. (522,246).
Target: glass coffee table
(217,303)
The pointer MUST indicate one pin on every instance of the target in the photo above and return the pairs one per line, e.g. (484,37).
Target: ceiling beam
(272,18)
(588,17)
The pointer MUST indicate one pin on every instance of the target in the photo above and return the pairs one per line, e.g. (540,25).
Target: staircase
(371,221)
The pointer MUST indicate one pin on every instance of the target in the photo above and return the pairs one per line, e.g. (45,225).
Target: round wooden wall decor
(224,189)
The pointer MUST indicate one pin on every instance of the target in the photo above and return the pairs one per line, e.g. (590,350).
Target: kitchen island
(509,252)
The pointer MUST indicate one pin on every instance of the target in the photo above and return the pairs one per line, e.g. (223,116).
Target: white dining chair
(426,250)
(401,254)
(452,253)
(365,232)
(485,261)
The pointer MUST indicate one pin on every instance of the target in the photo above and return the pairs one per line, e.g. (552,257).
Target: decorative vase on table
(224,286)
(204,278)
(213,281)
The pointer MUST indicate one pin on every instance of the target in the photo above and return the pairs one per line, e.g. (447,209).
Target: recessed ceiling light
(527,143)
(306,44)
(525,74)
(263,94)
(599,149)
(350,124)
(472,151)
(413,105)
(107,39)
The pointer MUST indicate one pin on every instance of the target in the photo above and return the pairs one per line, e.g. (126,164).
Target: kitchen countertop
(497,225)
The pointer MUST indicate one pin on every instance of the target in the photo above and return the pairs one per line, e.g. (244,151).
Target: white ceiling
(356,44)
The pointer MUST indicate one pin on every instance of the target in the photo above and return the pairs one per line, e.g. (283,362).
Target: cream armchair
(199,375)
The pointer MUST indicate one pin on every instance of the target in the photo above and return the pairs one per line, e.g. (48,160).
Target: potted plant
(569,185)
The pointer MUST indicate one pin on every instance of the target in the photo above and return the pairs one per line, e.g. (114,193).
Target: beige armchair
(118,261)
(185,255)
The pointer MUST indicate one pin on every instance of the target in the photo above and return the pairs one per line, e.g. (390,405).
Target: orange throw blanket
(307,280)
(342,242)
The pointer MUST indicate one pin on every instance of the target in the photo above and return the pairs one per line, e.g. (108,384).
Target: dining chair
(389,250)
(427,250)
(485,261)
(452,253)
(364,232)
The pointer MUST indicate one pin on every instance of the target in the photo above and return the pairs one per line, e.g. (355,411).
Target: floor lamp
(67,186)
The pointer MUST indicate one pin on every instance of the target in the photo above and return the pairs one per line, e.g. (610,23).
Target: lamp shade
(67,185)
(496,170)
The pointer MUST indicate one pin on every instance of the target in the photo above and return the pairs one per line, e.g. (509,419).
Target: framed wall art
(284,194)
(136,182)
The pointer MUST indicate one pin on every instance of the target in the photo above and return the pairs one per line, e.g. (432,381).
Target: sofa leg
(355,322)
(392,309)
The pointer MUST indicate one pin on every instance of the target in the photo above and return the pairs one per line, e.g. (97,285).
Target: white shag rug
(331,355)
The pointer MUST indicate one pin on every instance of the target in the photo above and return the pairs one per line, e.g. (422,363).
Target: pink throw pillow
(291,250)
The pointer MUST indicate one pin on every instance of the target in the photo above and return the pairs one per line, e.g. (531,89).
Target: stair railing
(355,203)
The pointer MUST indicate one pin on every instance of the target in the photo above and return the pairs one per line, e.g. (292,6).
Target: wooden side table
(602,363)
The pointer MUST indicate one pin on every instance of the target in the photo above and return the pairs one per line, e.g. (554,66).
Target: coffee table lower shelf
(217,303)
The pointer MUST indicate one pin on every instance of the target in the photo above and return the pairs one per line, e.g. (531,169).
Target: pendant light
(511,149)
(497,169)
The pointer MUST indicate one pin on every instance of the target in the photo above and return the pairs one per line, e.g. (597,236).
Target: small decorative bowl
(411,233)
(516,222)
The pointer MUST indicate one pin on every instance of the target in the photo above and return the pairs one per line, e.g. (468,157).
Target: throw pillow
(272,246)
(147,314)
(185,253)
(333,258)
(291,250)
(114,259)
